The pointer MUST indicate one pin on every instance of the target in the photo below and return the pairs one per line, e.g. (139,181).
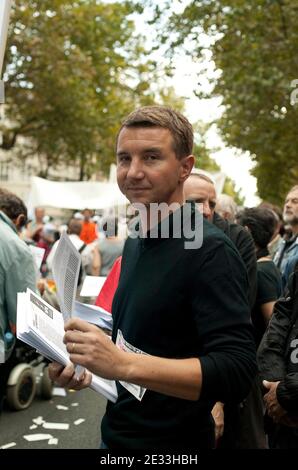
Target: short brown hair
(74,226)
(12,205)
(167,118)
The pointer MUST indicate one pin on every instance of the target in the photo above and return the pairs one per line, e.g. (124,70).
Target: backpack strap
(82,248)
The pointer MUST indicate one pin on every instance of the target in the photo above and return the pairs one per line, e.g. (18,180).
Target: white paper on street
(41,326)
(79,421)
(59,392)
(66,268)
(33,426)
(39,420)
(53,441)
(38,437)
(62,407)
(92,286)
(62,426)
(7,446)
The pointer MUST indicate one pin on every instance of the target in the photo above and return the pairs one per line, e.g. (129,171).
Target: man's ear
(187,164)
(20,221)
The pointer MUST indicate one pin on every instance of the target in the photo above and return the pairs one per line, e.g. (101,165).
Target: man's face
(87,215)
(39,213)
(200,191)
(290,213)
(147,168)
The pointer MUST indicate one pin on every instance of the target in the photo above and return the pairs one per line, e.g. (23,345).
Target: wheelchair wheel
(21,393)
(46,388)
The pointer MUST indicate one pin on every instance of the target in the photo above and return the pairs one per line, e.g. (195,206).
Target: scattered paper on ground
(7,446)
(38,437)
(59,392)
(74,404)
(79,421)
(55,425)
(39,420)
(62,407)
(33,426)
(53,441)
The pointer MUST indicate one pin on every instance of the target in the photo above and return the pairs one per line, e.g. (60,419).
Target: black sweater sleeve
(246,247)
(223,321)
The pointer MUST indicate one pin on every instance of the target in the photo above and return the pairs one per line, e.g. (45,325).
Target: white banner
(78,195)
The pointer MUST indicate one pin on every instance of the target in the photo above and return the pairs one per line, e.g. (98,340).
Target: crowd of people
(205,343)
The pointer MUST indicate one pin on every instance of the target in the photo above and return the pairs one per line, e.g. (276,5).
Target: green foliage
(254,46)
(73,70)
(204,161)
(229,189)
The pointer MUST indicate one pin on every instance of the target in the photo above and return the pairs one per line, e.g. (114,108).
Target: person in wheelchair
(17,272)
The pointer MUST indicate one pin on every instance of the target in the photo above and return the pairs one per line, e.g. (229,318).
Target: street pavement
(85,435)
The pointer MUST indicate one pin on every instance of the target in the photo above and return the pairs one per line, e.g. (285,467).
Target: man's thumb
(266,384)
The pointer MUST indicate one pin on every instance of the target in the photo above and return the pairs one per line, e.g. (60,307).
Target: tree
(74,68)
(204,161)
(254,47)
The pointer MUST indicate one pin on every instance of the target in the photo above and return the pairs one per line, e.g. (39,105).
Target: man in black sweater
(235,426)
(181,317)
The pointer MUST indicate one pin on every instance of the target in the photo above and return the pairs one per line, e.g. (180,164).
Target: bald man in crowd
(200,189)
(226,207)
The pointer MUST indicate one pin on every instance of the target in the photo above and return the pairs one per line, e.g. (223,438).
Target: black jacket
(278,351)
(244,243)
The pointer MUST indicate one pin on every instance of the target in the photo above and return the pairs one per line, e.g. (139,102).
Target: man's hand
(65,376)
(275,411)
(91,348)
(41,285)
(218,416)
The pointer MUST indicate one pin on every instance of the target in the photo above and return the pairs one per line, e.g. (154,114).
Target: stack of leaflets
(42,326)
(94,314)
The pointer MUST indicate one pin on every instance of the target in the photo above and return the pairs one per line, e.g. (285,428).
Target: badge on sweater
(136,390)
